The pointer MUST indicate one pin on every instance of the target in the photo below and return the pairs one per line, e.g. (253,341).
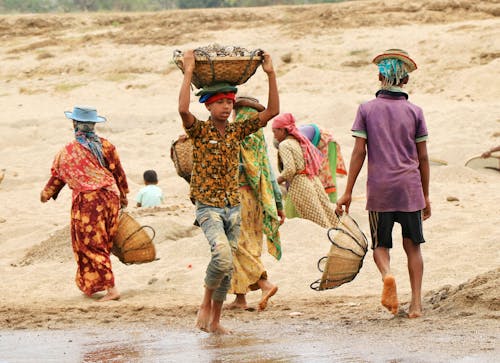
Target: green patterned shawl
(260,178)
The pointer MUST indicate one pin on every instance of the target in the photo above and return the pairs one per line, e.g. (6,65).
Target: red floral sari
(97,192)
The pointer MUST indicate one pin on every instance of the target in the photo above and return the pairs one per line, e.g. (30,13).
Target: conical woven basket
(181,153)
(345,258)
(132,244)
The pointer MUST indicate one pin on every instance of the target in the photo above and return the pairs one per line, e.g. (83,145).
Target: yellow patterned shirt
(214,179)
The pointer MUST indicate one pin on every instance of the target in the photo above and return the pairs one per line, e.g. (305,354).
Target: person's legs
(205,311)
(411,223)
(111,222)
(215,326)
(221,228)
(416,272)
(381,224)
(240,302)
(93,226)
(268,290)
(382,258)
(249,273)
(218,273)
(111,294)
(231,223)
(389,292)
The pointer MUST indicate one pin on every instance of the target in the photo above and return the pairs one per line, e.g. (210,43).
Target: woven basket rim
(222,58)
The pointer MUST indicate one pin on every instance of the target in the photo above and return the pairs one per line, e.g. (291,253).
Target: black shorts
(381,224)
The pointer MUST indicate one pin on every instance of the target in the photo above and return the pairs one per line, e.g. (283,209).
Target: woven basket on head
(181,153)
(132,244)
(208,70)
(345,258)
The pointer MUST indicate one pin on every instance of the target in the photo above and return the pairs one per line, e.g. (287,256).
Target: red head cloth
(220,96)
(312,156)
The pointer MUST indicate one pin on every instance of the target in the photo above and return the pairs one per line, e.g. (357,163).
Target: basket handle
(348,235)
(174,156)
(256,52)
(315,285)
(177,53)
(320,261)
(210,61)
(138,230)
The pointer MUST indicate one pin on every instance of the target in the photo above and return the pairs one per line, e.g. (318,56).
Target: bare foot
(414,312)
(112,294)
(236,305)
(240,302)
(203,318)
(390,295)
(266,295)
(218,329)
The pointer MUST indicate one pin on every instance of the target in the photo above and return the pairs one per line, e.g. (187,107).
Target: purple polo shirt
(392,127)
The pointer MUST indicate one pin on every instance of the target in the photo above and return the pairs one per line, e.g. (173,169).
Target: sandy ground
(122,64)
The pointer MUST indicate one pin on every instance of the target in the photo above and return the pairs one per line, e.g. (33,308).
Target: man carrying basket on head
(214,179)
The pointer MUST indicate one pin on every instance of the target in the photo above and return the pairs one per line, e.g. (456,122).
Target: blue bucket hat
(84,114)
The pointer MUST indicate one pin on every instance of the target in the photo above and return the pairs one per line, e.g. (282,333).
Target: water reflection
(261,342)
(117,352)
(241,348)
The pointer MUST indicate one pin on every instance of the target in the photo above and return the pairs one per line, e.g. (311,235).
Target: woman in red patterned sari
(91,167)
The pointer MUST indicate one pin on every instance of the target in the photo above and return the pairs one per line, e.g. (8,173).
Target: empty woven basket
(345,258)
(132,244)
(181,153)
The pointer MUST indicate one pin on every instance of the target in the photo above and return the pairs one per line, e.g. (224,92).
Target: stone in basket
(216,64)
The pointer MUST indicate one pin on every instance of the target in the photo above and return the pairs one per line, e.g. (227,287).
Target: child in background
(150,195)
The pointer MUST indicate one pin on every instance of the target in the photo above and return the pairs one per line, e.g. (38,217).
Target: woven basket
(181,153)
(345,258)
(209,70)
(132,244)
(142,255)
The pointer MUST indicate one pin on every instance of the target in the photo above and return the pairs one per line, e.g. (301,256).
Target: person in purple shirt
(392,132)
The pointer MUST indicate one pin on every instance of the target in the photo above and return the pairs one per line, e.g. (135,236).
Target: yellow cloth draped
(256,173)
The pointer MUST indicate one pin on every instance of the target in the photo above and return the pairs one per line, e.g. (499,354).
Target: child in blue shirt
(150,195)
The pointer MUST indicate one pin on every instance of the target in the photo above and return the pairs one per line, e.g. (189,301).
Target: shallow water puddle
(163,346)
(261,342)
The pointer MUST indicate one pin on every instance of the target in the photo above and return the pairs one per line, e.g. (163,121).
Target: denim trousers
(222,228)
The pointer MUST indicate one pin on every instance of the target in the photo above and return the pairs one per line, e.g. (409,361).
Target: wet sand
(289,340)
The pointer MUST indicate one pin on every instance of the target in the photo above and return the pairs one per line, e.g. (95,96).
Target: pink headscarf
(312,156)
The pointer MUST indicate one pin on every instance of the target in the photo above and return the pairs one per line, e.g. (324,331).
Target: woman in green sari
(261,213)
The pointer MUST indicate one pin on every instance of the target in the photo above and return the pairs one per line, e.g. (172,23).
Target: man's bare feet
(390,295)
(218,329)
(266,295)
(203,318)
(414,312)
(112,294)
